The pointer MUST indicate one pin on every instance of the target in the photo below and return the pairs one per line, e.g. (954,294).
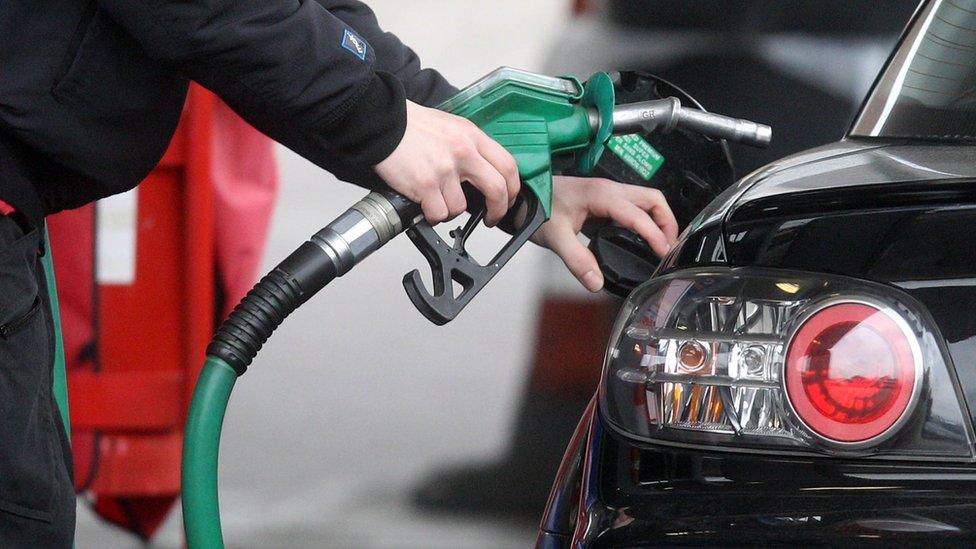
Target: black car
(801,367)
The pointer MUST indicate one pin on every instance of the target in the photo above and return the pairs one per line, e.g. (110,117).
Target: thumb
(578,259)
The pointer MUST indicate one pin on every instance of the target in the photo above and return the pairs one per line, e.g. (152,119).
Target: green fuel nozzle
(537,117)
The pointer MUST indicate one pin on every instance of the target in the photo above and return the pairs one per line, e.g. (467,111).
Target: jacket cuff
(428,88)
(372,125)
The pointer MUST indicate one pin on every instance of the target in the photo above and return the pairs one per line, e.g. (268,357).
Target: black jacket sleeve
(293,69)
(423,86)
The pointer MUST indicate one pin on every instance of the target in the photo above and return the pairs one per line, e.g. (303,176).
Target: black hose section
(303,273)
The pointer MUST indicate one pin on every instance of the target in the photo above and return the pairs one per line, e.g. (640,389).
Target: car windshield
(928,89)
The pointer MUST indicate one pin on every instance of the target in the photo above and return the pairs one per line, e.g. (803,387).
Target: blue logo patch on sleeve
(352,42)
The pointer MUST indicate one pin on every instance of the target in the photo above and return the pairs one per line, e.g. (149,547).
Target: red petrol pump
(134,346)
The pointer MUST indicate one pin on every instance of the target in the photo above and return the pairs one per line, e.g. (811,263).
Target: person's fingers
(503,162)
(433,205)
(484,177)
(562,240)
(610,200)
(637,220)
(654,202)
(454,198)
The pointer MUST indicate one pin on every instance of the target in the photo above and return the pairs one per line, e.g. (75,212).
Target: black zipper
(14,326)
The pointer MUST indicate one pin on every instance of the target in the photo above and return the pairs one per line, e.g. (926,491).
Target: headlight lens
(770,360)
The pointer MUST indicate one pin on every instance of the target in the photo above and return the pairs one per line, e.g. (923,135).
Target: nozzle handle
(667,114)
(408,211)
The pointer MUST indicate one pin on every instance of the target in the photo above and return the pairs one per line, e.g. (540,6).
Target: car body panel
(652,495)
(859,162)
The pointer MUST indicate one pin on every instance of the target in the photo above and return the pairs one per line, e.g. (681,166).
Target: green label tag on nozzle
(637,153)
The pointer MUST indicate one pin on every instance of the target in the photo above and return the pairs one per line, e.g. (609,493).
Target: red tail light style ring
(853,370)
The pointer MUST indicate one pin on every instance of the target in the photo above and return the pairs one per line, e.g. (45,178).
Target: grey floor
(357,396)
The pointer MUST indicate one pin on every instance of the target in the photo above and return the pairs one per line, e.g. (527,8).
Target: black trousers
(37,501)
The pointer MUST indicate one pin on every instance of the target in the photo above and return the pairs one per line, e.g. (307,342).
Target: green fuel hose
(232,349)
(201,512)
(330,253)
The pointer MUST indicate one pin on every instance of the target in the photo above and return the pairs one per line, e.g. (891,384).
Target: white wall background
(357,395)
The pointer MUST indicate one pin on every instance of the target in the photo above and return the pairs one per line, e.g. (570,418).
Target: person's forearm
(288,67)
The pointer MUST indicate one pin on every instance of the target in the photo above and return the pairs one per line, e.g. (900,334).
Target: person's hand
(575,199)
(438,152)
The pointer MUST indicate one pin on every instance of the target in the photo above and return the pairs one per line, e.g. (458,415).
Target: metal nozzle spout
(667,114)
(724,127)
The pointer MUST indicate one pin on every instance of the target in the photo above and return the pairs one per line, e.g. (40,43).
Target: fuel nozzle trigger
(450,263)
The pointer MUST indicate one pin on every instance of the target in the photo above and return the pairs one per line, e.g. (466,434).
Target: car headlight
(765,360)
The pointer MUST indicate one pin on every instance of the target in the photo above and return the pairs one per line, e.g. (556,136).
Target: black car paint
(653,495)
(898,213)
